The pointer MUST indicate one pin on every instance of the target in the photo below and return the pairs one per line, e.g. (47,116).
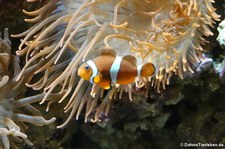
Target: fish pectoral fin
(97,78)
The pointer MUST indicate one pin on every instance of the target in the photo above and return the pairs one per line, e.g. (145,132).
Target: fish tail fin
(146,70)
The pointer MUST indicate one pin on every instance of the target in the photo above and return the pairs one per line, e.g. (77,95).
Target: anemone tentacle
(12,119)
(168,33)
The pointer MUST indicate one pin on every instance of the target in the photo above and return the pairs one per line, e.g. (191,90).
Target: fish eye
(86,67)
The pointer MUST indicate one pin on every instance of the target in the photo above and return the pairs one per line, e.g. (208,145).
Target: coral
(221,30)
(167,33)
(221,39)
(201,113)
(12,118)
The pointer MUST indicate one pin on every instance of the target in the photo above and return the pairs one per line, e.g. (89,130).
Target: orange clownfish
(108,68)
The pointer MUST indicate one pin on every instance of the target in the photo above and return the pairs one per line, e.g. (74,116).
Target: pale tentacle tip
(52,120)
(42,102)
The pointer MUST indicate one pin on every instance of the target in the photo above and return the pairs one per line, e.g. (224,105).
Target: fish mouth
(82,74)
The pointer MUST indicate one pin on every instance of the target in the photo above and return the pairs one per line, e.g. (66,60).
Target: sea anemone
(12,119)
(168,33)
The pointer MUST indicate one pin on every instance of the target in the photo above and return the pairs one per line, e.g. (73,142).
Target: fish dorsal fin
(109,52)
(130,59)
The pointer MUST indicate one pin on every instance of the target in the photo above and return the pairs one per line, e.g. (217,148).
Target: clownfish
(108,68)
